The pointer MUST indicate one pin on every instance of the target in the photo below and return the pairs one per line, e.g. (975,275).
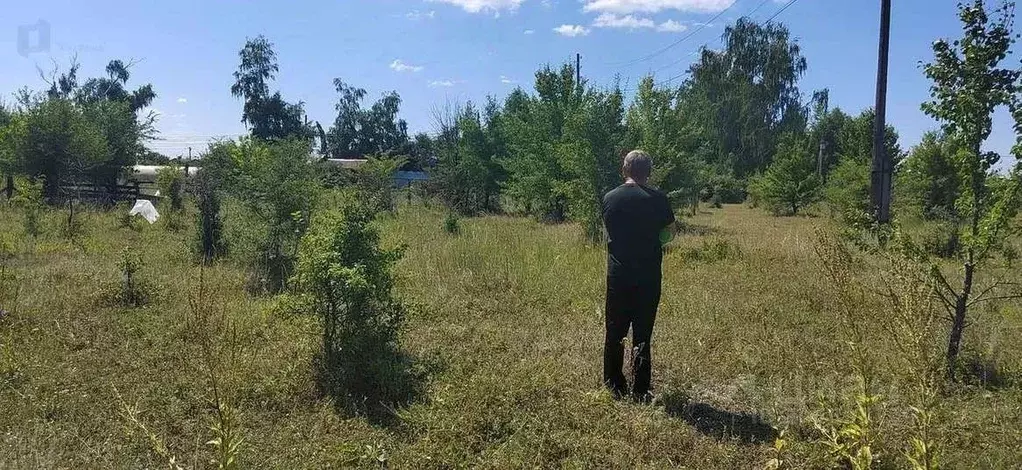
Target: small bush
(174,220)
(452,224)
(347,278)
(716,201)
(171,182)
(847,192)
(134,290)
(941,239)
(125,220)
(73,227)
(211,244)
(30,201)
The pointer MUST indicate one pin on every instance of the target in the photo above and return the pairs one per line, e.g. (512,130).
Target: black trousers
(630,302)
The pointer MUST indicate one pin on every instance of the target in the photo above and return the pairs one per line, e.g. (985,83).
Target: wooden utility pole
(880,182)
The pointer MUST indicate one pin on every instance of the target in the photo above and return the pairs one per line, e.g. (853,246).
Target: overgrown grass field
(504,336)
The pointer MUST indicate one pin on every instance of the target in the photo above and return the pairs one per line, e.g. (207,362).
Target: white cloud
(419,15)
(476,6)
(505,80)
(441,83)
(529,31)
(623,7)
(671,26)
(182,100)
(400,66)
(610,20)
(571,30)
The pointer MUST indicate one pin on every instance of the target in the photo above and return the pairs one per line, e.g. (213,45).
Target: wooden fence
(103,193)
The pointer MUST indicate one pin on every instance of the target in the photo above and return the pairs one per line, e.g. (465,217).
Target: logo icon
(33,38)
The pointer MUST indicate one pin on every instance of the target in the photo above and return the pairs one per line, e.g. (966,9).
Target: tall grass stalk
(216,337)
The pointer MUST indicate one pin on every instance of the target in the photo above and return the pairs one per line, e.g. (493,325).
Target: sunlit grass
(506,327)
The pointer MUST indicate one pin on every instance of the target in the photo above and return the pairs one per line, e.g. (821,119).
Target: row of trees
(738,124)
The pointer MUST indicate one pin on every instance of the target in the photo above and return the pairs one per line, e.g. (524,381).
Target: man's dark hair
(637,165)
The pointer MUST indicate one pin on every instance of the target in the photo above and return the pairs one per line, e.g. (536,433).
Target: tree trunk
(9,186)
(958,326)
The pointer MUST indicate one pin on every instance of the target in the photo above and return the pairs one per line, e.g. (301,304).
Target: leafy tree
(267,114)
(422,154)
(358,132)
(929,178)
(374,181)
(124,134)
(744,97)
(468,173)
(790,183)
(968,86)
(589,153)
(563,147)
(108,105)
(851,141)
(276,182)
(10,127)
(111,88)
(59,144)
(655,123)
(535,125)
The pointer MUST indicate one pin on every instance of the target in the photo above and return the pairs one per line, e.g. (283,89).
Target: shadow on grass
(984,372)
(720,424)
(699,230)
(373,380)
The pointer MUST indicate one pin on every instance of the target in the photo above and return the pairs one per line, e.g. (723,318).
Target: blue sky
(432,51)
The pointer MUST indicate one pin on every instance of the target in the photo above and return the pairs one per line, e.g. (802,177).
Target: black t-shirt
(634,216)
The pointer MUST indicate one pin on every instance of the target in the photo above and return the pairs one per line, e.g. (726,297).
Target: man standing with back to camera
(638,220)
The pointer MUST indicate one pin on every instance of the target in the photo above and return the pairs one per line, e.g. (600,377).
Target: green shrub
(452,224)
(277,185)
(134,289)
(375,180)
(347,278)
(171,182)
(941,239)
(847,192)
(723,189)
(790,184)
(30,202)
(211,244)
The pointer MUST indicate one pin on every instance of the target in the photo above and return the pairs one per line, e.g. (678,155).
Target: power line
(682,58)
(775,15)
(679,41)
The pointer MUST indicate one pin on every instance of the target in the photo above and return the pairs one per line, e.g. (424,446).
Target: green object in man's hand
(666,235)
